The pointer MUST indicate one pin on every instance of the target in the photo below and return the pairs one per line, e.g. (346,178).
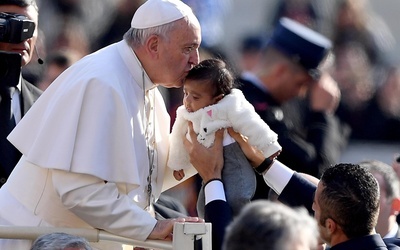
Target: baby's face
(197,95)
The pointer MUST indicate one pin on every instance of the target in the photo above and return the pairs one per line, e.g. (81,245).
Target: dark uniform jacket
(9,155)
(311,141)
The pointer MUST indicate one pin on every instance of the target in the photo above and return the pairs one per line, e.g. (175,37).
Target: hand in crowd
(207,161)
(325,95)
(163,230)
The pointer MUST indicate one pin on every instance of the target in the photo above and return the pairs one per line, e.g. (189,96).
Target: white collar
(19,83)
(250,76)
(135,67)
(393,232)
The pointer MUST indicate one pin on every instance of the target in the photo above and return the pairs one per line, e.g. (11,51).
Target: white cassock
(85,160)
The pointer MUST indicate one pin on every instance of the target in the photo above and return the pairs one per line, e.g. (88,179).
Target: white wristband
(214,190)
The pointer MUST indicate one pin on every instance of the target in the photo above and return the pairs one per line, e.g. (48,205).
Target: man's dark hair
(350,197)
(214,72)
(20,3)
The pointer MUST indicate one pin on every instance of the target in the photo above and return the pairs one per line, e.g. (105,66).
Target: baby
(211,103)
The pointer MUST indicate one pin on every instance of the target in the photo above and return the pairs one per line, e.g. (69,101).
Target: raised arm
(209,163)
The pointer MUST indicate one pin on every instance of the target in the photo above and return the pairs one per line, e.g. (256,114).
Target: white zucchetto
(158,12)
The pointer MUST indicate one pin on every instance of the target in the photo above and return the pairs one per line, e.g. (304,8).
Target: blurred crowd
(361,63)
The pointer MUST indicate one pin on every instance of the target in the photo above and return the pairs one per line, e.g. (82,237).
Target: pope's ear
(152,44)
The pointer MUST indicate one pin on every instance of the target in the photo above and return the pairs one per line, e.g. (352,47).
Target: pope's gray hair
(137,37)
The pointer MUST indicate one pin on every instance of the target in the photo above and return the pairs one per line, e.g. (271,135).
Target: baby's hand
(276,154)
(179,174)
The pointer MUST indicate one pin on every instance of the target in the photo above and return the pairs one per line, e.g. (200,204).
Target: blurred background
(366,38)
(243,18)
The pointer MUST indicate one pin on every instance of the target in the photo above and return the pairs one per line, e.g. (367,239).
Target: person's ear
(331,225)
(280,68)
(219,98)
(395,206)
(152,45)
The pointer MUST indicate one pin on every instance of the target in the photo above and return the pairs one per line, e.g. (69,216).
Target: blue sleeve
(219,214)
(298,192)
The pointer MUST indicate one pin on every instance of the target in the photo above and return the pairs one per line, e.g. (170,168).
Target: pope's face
(26,47)
(179,53)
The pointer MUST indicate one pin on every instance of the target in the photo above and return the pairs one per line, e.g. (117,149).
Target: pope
(95,144)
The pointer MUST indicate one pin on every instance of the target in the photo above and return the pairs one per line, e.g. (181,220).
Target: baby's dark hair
(214,72)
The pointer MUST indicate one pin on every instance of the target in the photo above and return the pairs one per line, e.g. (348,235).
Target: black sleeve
(219,214)
(298,192)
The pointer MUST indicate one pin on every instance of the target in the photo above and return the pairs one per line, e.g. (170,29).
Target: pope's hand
(163,230)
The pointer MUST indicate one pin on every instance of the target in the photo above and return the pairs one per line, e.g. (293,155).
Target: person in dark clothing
(290,68)
(21,93)
(379,120)
(345,202)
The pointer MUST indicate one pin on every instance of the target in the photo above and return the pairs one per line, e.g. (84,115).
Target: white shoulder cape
(232,111)
(89,121)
